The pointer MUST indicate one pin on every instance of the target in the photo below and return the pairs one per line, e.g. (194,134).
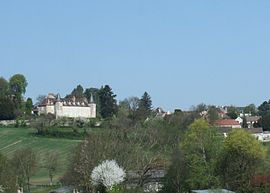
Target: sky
(181,52)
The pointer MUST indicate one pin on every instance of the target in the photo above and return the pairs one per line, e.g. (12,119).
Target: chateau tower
(58,106)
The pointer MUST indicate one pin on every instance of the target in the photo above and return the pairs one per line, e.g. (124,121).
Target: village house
(67,107)
(228,123)
(252,120)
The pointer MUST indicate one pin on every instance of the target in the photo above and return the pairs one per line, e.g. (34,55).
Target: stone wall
(46,109)
(75,111)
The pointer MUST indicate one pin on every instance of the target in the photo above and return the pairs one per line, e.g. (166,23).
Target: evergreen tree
(7,109)
(77,92)
(264,111)
(28,106)
(108,106)
(93,93)
(145,106)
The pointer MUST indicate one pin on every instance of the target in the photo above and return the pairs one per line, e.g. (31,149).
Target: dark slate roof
(253,118)
(255,130)
(51,99)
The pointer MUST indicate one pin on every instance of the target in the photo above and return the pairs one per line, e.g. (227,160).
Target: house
(67,107)
(239,120)
(222,112)
(263,136)
(252,120)
(212,191)
(228,123)
(160,113)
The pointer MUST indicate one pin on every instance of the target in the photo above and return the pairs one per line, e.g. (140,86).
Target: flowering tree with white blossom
(108,173)
(1,189)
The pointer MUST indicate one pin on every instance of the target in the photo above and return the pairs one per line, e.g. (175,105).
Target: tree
(212,114)
(244,123)
(108,174)
(51,164)
(7,176)
(25,163)
(93,92)
(240,157)
(232,112)
(17,85)
(28,106)
(127,110)
(264,108)
(133,149)
(40,99)
(7,106)
(7,109)
(17,88)
(176,178)
(144,106)
(265,121)
(3,87)
(264,111)
(200,108)
(108,106)
(78,92)
(201,145)
(251,108)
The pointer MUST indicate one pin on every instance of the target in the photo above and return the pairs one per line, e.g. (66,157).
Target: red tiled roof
(260,179)
(222,122)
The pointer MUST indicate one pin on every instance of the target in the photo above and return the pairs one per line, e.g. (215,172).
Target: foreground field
(12,139)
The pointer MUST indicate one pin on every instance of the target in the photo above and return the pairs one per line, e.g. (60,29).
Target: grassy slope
(12,139)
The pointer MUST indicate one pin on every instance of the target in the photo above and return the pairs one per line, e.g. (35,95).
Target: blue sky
(182,52)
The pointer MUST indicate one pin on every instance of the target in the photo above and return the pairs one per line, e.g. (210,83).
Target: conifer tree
(108,106)
(145,106)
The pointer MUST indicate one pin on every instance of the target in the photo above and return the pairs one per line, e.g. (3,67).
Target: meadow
(12,139)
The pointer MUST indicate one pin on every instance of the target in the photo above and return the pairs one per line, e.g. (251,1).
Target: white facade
(239,120)
(75,111)
(67,107)
(263,137)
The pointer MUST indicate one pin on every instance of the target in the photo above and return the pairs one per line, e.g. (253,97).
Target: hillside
(12,139)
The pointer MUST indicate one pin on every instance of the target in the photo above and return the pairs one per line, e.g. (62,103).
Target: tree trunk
(28,184)
(51,180)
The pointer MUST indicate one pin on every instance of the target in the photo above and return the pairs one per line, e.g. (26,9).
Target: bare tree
(51,164)
(139,152)
(25,163)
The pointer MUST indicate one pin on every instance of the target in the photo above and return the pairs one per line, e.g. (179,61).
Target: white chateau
(71,107)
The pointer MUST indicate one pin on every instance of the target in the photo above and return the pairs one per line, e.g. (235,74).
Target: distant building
(239,120)
(228,123)
(67,107)
(252,120)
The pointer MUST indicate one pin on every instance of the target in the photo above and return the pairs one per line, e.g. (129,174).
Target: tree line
(107,107)
(191,151)
(12,103)
(17,171)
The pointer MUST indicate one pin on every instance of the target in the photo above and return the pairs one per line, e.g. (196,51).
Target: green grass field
(12,139)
